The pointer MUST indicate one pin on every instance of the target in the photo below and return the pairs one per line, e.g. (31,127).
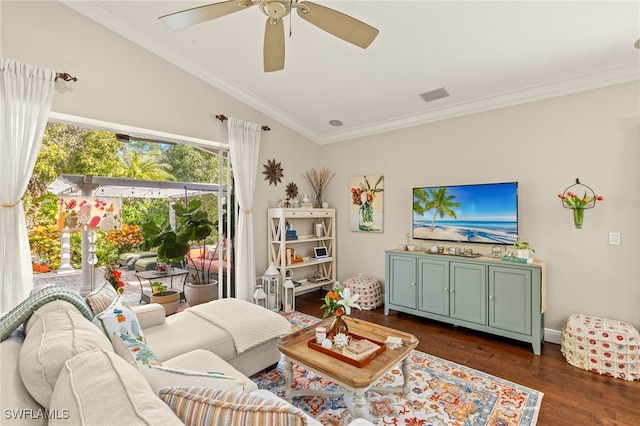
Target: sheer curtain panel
(244,148)
(26,93)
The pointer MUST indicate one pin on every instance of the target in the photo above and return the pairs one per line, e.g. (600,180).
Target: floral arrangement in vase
(579,204)
(112,275)
(363,196)
(339,302)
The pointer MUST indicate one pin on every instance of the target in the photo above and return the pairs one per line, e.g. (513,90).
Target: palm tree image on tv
(483,213)
(437,199)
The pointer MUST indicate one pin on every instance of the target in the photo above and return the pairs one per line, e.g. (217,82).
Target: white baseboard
(552,336)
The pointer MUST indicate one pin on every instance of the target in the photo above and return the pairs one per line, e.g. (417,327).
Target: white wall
(543,145)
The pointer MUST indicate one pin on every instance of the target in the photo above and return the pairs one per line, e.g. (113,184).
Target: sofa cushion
(204,406)
(55,305)
(99,388)
(213,252)
(119,318)
(39,297)
(100,299)
(184,332)
(138,355)
(133,351)
(13,394)
(203,360)
(52,340)
(150,315)
(160,376)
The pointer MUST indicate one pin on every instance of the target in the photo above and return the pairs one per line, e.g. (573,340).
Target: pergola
(99,186)
(89,185)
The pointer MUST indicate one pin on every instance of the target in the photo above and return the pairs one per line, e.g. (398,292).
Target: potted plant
(157,287)
(522,248)
(169,299)
(173,245)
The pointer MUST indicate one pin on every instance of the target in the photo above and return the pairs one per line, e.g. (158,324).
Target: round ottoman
(602,346)
(369,290)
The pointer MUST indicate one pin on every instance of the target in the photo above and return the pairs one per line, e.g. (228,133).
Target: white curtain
(244,147)
(26,93)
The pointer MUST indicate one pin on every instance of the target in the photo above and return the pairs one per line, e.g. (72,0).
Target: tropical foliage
(73,150)
(173,244)
(437,199)
(126,239)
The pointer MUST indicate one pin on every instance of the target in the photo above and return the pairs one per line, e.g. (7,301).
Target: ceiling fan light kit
(336,23)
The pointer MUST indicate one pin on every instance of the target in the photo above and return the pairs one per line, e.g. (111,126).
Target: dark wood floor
(572,396)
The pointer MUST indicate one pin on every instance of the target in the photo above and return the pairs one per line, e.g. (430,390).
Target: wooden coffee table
(356,380)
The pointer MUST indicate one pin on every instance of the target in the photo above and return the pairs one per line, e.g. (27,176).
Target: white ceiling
(486,54)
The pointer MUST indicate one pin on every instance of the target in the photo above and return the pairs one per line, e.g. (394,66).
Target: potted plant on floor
(168,298)
(173,245)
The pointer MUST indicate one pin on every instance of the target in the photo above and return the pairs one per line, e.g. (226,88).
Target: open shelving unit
(303,221)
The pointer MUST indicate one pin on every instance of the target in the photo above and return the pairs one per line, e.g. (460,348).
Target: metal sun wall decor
(367,203)
(89,213)
(273,172)
(579,197)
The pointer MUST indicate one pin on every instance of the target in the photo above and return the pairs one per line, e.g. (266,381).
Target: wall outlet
(614,238)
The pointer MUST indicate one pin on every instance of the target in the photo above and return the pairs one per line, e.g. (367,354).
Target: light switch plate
(614,238)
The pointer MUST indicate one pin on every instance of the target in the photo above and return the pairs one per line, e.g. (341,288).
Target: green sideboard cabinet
(484,294)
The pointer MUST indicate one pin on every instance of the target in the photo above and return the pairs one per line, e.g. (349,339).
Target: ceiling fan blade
(340,25)
(273,45)
(200,14)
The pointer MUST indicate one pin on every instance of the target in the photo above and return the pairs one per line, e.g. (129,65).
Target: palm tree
(146,166)
(437,199)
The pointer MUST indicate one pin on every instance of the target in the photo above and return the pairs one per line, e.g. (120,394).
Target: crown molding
(574,84)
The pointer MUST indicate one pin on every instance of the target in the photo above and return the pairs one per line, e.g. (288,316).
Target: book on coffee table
(358,347)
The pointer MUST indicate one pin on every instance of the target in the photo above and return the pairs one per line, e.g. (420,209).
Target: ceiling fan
(340,25)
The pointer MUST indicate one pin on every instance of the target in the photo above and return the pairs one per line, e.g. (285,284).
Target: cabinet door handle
(413,283)
(490,297)
(451,291)
(446,289)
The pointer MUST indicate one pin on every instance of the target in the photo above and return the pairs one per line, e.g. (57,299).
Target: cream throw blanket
(249,325)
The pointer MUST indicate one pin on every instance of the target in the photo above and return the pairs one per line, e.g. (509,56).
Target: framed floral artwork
(367,207)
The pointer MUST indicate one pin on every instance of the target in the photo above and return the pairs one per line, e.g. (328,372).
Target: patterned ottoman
(603,346)
(369,290)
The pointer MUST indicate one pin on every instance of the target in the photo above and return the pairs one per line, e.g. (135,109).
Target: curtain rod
(223,117)
(65,76)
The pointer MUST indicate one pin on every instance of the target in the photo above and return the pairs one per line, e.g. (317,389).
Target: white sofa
(60,368)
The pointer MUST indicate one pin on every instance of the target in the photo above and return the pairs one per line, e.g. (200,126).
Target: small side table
(154,276)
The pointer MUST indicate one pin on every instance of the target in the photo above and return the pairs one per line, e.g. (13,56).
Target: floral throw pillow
(133,351)
(119,318)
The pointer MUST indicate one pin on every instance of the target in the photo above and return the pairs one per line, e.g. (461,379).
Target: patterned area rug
(443,393)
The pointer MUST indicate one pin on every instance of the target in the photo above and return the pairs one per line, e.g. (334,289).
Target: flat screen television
(478,213)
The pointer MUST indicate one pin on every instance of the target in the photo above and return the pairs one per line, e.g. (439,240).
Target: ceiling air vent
(434,94)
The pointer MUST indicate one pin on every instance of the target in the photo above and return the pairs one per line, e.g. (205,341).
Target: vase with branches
(318,179)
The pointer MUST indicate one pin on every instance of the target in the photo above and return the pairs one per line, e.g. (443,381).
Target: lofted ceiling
(485,54)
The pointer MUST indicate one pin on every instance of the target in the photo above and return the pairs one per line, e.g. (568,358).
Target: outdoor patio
(74,280)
